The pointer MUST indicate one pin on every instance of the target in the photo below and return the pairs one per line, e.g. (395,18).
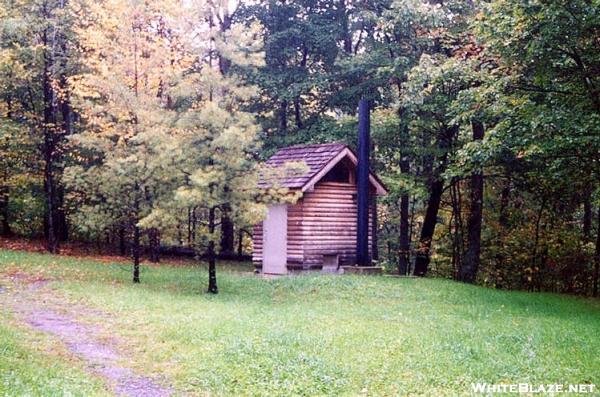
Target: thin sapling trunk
(210,254)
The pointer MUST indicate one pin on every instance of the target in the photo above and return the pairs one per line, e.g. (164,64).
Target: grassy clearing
(322,335)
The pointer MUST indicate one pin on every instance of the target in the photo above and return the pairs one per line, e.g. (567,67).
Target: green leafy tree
(548,111)
(37,60)
(211,155)
(131,60)
(300,43)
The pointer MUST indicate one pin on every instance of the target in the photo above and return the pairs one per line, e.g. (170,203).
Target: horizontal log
(330,248)
(342,258)
(322,192)
(333,213)
(350,210)
(300,232)
(329,186)
(324,198)
(316,226)
(329,192)
(322,219)
(321,222)
(331,245)
(345,198)
(347,212)
(329,204)
(329,237)
(326,230)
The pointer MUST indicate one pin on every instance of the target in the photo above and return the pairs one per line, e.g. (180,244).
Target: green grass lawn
(304,335)
(26,371)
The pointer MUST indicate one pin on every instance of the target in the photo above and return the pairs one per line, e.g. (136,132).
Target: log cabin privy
(318,232)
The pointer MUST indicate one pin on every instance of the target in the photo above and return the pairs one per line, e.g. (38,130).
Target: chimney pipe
(362,184)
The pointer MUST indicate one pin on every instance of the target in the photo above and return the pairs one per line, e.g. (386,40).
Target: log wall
(329,224)
(323,222)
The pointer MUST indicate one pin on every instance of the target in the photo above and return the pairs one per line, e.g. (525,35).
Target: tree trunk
(52,240)
(470,266)
(456,226)
(536,240)
(503,219)
(154,237)
(283,116)
(135,247)
(210,254)
(240,247)
(347,36)
(433,203)
(411,231)
(189,226)
(504,203)
(224,65)
(122,241)
(404,252)
(587,215)
(135,252)
(224,26)
(48,151)
(4,213)
(297,113)
(597,259)
(179,234)
(193,226)
(227,233)
(5,193)
(61,224)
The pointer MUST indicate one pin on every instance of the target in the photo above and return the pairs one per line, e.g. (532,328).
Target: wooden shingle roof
(318,159)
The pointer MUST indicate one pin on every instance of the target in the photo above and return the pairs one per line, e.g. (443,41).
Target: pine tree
(216,140)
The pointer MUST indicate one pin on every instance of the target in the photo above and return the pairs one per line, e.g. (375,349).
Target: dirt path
(36,306)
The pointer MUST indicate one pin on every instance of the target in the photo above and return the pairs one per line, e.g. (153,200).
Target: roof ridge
(316,156)
(303,145)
